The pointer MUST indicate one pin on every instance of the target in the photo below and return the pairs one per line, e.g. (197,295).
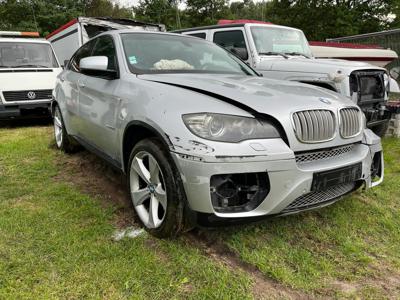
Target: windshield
(30,55)
(280,40)
(159,53)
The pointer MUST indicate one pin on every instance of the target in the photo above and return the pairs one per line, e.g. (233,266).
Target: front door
(97,104)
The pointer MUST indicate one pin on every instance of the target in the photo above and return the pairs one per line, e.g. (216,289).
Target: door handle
(62,79)
(81,84)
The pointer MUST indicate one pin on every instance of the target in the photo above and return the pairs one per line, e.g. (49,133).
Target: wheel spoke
(154,170)
(161,196)
(58,135)
(153,212)
(57,122)
(140,196)
(141,170)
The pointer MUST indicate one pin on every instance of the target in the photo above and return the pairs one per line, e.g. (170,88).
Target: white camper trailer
(69,37)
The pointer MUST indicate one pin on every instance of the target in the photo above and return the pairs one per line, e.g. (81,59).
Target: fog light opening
(238,192)
(376,167)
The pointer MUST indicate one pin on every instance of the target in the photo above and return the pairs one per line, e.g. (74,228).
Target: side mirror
(395,72)
(240,52)
(97,66)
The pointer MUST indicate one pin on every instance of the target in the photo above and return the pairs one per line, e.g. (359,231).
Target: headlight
(227,128)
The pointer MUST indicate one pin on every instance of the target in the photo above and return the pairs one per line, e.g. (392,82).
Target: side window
(201,35)
(105,47)
(233,41)
(84,51)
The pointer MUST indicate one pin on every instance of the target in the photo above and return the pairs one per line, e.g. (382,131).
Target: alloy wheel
(58,127)
(148,191)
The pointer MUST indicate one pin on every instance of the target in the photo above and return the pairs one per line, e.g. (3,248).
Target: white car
(202,138)
(28,71)
(281,52)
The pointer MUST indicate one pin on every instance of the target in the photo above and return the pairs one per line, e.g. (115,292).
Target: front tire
(156,189)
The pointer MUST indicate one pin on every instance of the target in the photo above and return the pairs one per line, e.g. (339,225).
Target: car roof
(232,26)
(23,40)
(138,31)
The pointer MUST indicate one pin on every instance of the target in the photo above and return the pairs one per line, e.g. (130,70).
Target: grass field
(57,217)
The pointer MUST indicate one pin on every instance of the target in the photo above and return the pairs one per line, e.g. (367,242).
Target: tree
(207,12)
(105,8)
(321,19)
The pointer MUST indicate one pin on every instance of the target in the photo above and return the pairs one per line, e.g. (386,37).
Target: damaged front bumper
(279,181)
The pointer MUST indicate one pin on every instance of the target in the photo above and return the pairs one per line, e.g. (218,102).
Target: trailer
(71,36)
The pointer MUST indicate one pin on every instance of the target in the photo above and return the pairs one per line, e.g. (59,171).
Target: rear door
(97,103)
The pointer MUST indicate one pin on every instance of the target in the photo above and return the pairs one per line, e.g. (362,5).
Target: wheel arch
(134,132)
(53,105)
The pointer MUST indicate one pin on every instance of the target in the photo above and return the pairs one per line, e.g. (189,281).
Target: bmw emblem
(325,100)
(31,95)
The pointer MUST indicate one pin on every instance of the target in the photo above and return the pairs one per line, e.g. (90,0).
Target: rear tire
(64,141)
(156,189)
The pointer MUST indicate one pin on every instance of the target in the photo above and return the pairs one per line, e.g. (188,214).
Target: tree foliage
(47,15)
(319,19)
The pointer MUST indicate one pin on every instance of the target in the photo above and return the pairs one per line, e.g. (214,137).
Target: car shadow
(26,122)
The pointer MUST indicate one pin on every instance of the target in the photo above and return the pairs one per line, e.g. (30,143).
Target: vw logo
(325,100)
(31,95)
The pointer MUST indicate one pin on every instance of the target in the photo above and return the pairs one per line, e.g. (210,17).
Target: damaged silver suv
(202,138)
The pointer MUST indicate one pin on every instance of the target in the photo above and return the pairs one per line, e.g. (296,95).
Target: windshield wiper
(274,53)
(29,66)
(297,53)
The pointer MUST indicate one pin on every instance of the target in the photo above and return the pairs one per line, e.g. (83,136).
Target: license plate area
(327,179)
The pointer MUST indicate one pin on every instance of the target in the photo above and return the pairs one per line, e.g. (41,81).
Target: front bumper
(289,181)
(10,111)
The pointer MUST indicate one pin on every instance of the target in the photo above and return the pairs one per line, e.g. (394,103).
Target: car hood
(313,65)
(263,95)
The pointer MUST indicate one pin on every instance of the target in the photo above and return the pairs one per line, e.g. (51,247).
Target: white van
(28,71)
(280,52)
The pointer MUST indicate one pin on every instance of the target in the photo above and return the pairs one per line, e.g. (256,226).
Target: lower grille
(32,95)
(325,154)
(315,198)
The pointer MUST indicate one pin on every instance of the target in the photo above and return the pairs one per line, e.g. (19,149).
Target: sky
(130,3)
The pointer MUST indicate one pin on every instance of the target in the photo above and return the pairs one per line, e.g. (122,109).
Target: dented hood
(263,95)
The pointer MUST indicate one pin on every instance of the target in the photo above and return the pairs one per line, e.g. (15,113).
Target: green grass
(55,241)
(356,240)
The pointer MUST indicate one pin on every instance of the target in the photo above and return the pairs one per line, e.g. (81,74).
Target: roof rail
(241,21)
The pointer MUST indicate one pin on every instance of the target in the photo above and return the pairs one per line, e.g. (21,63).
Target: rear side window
(105,47)
(232,40)
(201,35)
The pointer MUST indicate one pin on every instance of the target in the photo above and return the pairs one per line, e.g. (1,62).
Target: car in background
(28,71)
(202,138)
(281,52)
